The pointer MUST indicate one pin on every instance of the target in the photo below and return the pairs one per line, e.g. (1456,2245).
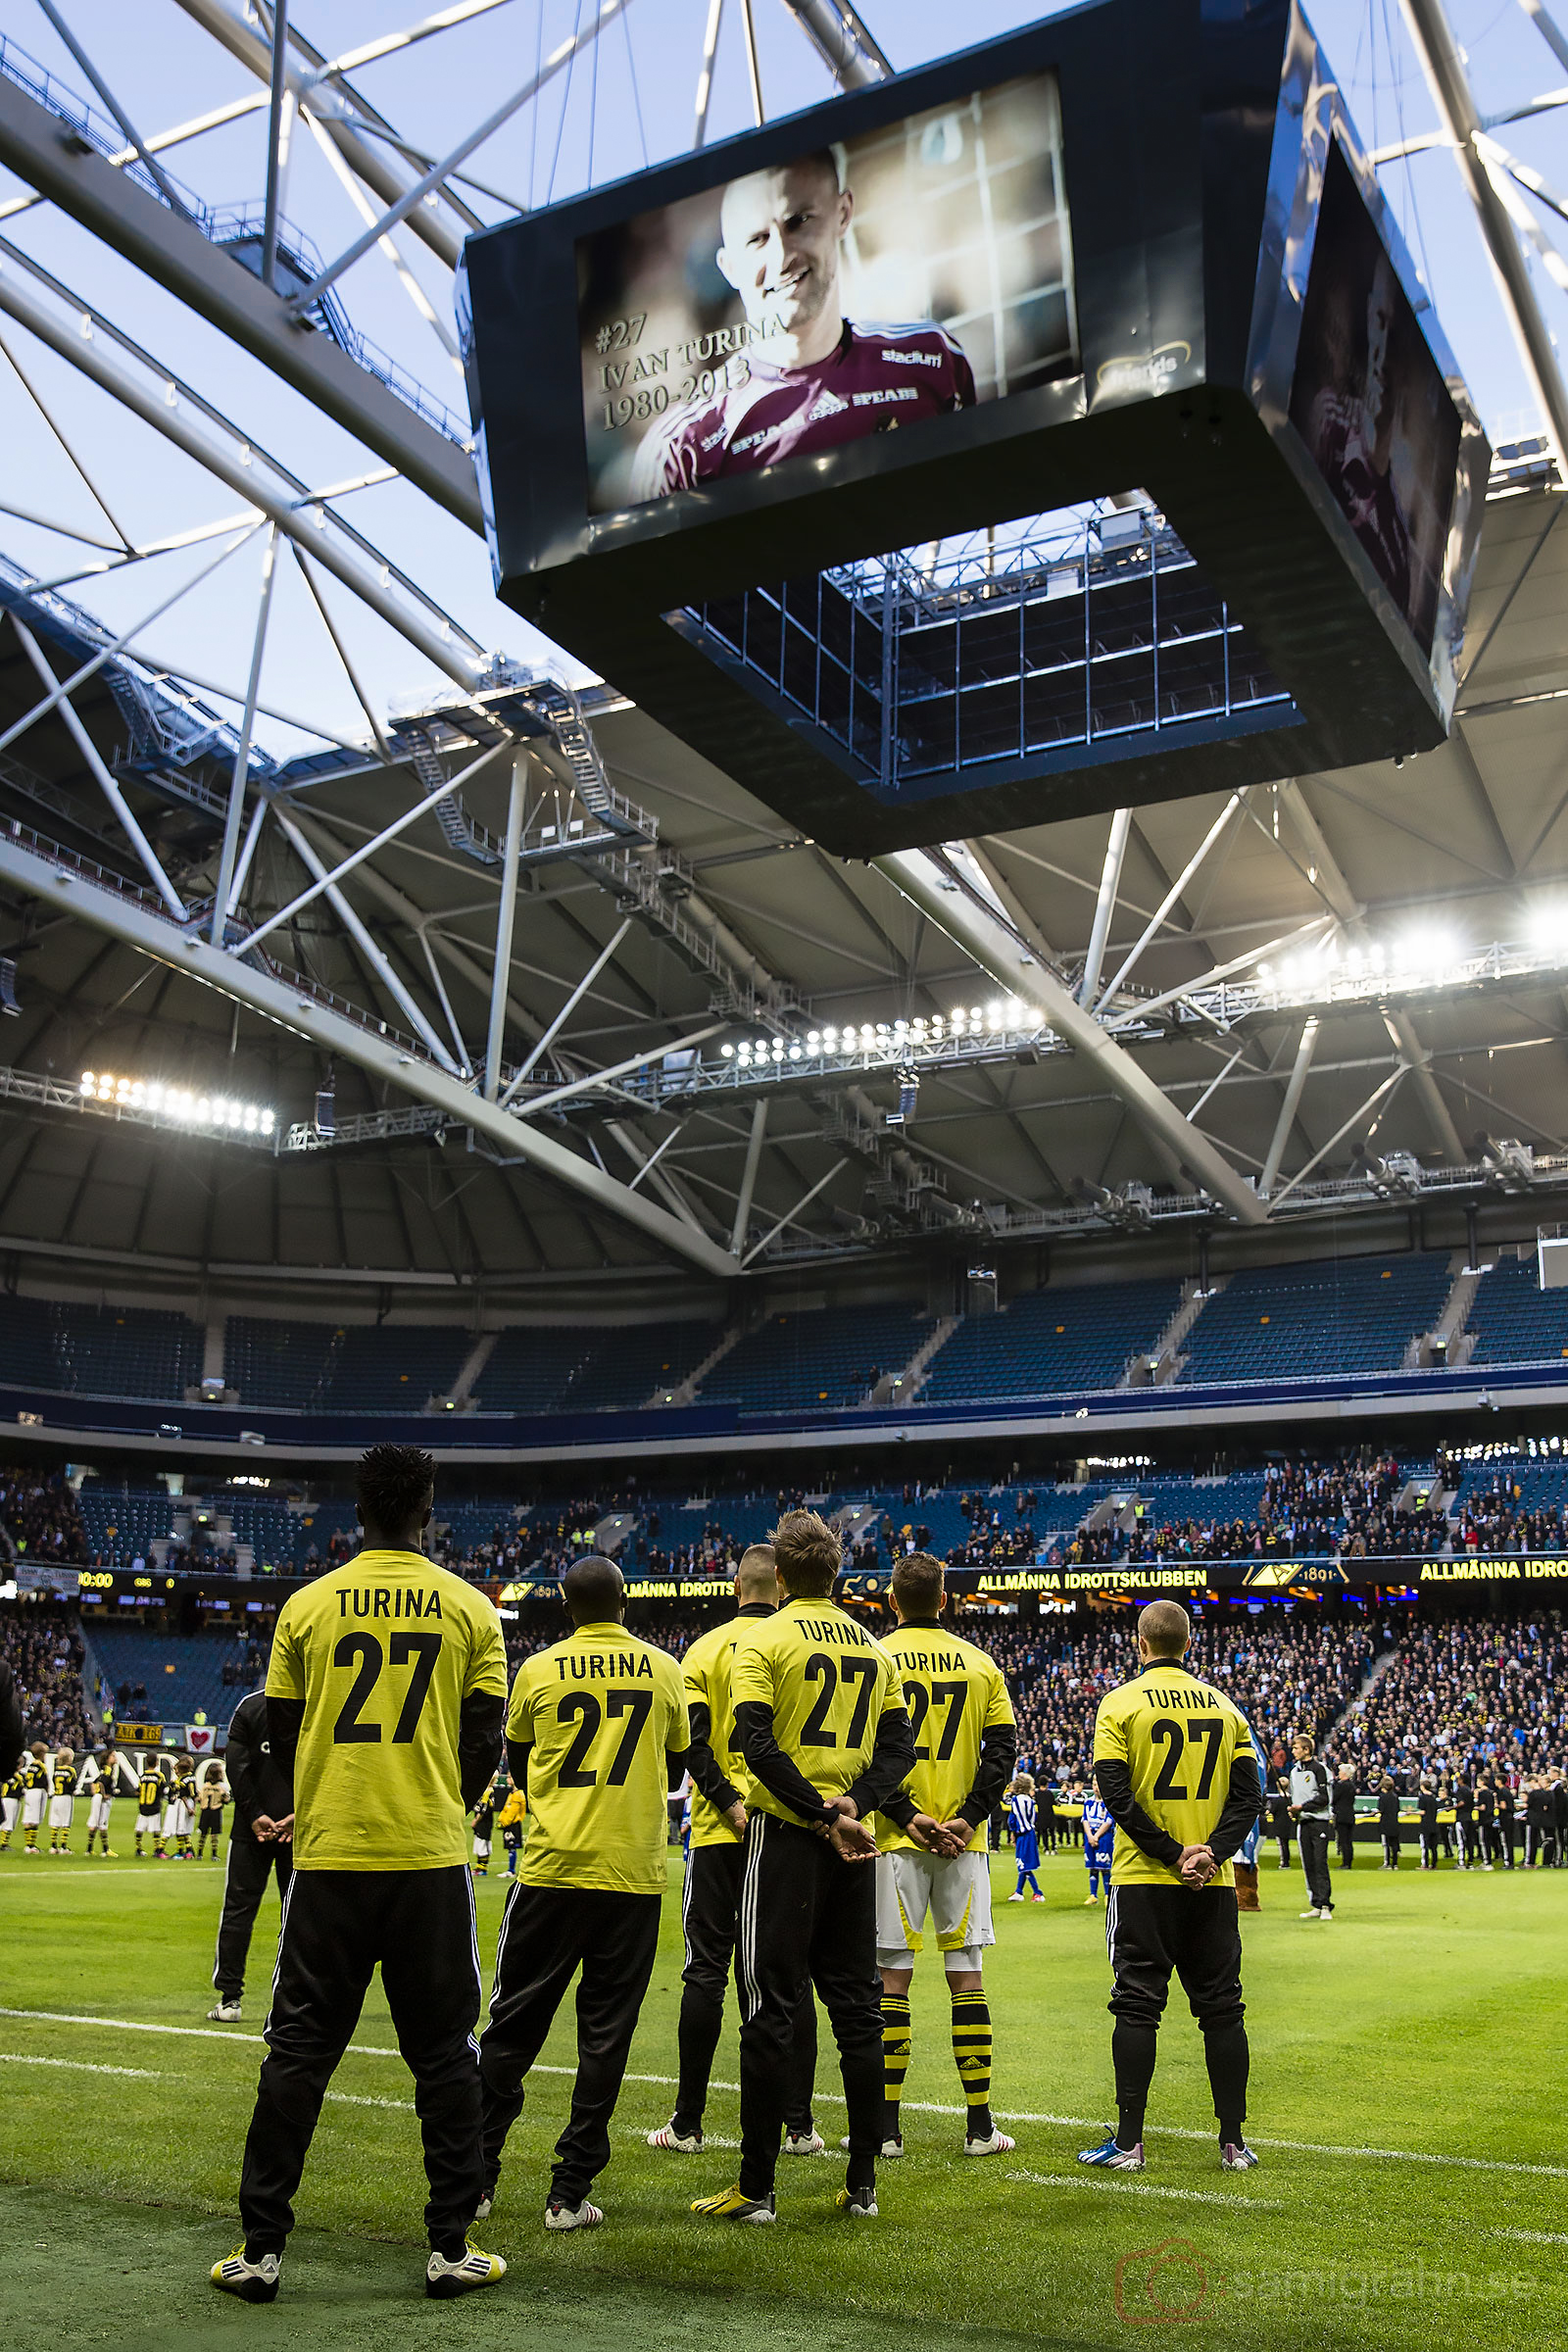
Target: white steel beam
(430,183)
(506,923)
(1442,61)
(998,953)
(705,77)
(262,992)
(836,34)
(1305,1047)
(174,252)
(754,1154)
(1172,895)
(357,858)
(619,1069)
(254,477)
(242,754)
(351,125)
(547,1037)
(1105,903)
(791,1214)
(377,959)
(106,782)
(1361,1111)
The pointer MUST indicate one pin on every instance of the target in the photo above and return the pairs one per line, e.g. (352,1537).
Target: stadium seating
(533,1366)
(1053,1343)
(1514,1321)
(1333,1315)
(99,1350)
(279,1363)
(827,1357)
(639,1361)
(354,1367)
(123,1522)
(27,1341)
(184,1672)
(127,1350)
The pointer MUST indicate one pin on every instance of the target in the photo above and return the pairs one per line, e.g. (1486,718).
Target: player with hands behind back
(1175,1766)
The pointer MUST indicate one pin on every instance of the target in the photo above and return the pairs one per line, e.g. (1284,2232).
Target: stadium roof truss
(462,901)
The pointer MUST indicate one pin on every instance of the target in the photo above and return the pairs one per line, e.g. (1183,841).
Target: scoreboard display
(1134,251)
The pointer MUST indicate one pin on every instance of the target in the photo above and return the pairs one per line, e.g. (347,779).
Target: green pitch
(1430,2021)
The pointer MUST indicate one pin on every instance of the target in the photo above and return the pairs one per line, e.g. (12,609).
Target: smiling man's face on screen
(782,231)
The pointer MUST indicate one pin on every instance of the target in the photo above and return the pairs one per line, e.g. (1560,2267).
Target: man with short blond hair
(1175,1765)
(821,1726)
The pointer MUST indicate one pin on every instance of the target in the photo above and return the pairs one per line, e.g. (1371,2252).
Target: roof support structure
(175,254)
(139,926)
(1442,61)
(997,952)
(840,39)
(506,923)
(1121,823)
(26,298)
(1295,1087)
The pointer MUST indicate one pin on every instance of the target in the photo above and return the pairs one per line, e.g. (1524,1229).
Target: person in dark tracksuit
(1388,1801)
(260,1848)
(1505,1819)
(1426,1805)
(1311,1808)
(1342,1805)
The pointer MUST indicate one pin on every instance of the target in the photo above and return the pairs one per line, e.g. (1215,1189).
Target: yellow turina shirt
(384,1652)
(954,1693)
(828,1684)
(1178,1736)
(707,1671)
(600,1715)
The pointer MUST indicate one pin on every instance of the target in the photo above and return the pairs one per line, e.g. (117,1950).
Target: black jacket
(1342,1800)
(10,1723)
(259,1786)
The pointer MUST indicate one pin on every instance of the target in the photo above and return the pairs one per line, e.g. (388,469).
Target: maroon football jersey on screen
(876,377)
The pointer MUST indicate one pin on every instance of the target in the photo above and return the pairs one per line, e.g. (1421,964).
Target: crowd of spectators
(1466,1694)
(42,1515)
(1499,1521)
(43,1650)
(1287,1670)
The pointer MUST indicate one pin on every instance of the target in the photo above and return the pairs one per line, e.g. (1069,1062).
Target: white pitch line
(1076,2122)
(1534,2237)
(1118,2181)
(80,2066)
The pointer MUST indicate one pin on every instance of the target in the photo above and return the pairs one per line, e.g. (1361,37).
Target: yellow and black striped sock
(895,2054)
(971,2055)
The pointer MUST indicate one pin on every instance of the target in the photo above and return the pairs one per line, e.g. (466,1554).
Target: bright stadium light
(176,1105)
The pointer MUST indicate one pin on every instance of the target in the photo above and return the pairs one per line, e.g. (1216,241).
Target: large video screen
(861,288)
(1370,403)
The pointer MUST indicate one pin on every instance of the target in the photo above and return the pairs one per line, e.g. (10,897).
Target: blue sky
(629,97)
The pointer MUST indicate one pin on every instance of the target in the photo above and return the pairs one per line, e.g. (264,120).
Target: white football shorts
(955,1893)
(61,1811)
(98,1815)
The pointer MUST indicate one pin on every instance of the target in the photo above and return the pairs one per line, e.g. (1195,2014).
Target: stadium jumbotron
(783,1171)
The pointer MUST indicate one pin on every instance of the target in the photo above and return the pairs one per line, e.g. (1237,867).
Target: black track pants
(246,1870)
(806,1918)
(547,1934)
(338,1925)
(710,1919)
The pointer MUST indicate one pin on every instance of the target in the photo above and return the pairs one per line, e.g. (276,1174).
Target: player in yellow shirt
(385,1699)
(1175,1765)
(710,1900)
(821,1726)
(965,1748)
(597,1733)
(61,1800)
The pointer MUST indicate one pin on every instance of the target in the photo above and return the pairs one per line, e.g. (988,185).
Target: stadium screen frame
(1196,138)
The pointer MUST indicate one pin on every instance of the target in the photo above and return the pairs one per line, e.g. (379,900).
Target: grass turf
(1429,2020)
